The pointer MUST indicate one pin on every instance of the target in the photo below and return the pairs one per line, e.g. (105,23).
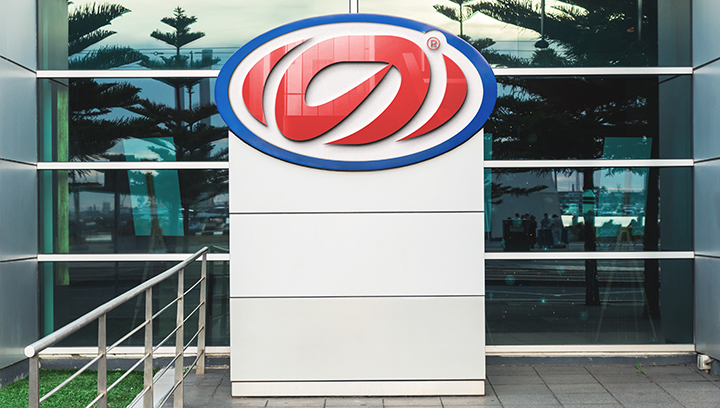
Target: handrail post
(102,363)
(148,397)
(34,378)
(178,395)
(202,317)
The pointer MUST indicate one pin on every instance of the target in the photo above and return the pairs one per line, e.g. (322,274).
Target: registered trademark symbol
(433,43)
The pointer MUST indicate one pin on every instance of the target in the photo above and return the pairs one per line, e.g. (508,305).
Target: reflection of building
(57,214)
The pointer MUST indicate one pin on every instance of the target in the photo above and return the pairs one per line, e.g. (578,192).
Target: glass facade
(585,118)
(71,289)
(106,139)
(141,34)
(571,33)
(588,302)
(135,211)
(167,119)
(609,209)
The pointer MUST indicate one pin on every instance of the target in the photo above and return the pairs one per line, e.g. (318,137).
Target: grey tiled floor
(571,386)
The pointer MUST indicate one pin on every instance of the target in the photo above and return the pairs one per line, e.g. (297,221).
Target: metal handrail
(100,314)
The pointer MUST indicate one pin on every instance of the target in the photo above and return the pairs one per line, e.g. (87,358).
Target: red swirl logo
(355,92)
(299,121)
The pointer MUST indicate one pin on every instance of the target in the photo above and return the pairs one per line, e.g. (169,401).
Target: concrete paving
(534,386)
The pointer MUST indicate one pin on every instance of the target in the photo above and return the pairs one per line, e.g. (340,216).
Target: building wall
(18,181)
(706,87)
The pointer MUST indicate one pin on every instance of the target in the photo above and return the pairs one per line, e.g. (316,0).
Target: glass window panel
(611,209)
(71,289)
(514,33)
(134,211)
(569,118)
(169,119)
(589,302)
(136,38)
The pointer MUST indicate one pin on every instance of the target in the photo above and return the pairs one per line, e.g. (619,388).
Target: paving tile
(672,370)
(486,401)
(569,379)
(529,400)
(353,402)
(576,388)
(192,401)
(633,399)
(200,390)
(586,398)
(296,402)
(689,386)
(702,405)
(604,370)
(691,377)
(615,405)
(521,389)
(697,397)
(412,402)
(532,405)
(560,370)
(509,370)
(647,388)
(515,379)
(622,378)
(672,404)
(229,402)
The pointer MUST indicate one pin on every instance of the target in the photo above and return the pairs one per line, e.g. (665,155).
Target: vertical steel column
(148,397)
(102,363)
(179,343)
(201,318)
(354,6)
(34,377)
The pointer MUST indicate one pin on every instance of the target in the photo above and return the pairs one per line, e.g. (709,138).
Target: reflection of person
(532,227)
(545,222)
(556,227)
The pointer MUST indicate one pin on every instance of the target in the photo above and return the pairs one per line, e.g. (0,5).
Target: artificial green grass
(77,394)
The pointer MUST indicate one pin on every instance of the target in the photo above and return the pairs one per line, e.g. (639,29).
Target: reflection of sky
(231,23)
(226,23)
(619,180)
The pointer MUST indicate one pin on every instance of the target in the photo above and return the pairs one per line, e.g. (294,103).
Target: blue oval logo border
(483,68)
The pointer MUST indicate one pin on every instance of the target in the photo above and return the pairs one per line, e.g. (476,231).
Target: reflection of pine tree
(566,119)
(586,32)
(90,134)
(460,14)
(188,127)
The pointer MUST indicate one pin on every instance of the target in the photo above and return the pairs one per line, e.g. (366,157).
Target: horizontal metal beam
(552,255)
(526,72)
(125,257)
(592,71)
(129,73)
(139,165)
(514,164)
(589,350)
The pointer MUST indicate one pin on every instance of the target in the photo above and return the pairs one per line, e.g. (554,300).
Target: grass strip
(77,394)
